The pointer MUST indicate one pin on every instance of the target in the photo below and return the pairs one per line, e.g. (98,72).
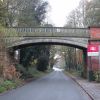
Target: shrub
(25,73)
(8,84)
(2,89)
(42,63)
(97,76)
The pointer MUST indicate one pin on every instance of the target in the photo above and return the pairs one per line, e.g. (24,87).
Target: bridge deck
(17,34)
(49,31)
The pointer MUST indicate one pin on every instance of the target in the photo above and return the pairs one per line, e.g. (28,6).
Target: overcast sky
(59,9)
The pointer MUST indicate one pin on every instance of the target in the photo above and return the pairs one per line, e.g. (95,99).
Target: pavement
(91,88)
(54,86)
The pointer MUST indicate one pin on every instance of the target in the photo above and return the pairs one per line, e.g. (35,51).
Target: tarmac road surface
(54,86)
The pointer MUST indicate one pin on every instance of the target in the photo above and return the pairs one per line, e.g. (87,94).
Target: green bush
(31,70)
(8,84)
(35,73)
(25,73)
(42,63)
(20,68)
(97,76)
(2,89)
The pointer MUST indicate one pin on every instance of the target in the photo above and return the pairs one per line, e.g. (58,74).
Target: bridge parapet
(51,31)
(18,34)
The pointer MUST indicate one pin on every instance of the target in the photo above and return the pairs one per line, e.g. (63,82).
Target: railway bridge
(18,37)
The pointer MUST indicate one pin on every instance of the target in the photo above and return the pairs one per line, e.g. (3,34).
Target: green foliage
(21,68)
(2,89)
(24,72)
(33,13)
(35,73)
(42,63)
(8,84)
(22,13)
(97,76)
(31,72)
(27,55)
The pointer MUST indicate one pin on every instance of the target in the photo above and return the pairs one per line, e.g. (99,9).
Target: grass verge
(6,85)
